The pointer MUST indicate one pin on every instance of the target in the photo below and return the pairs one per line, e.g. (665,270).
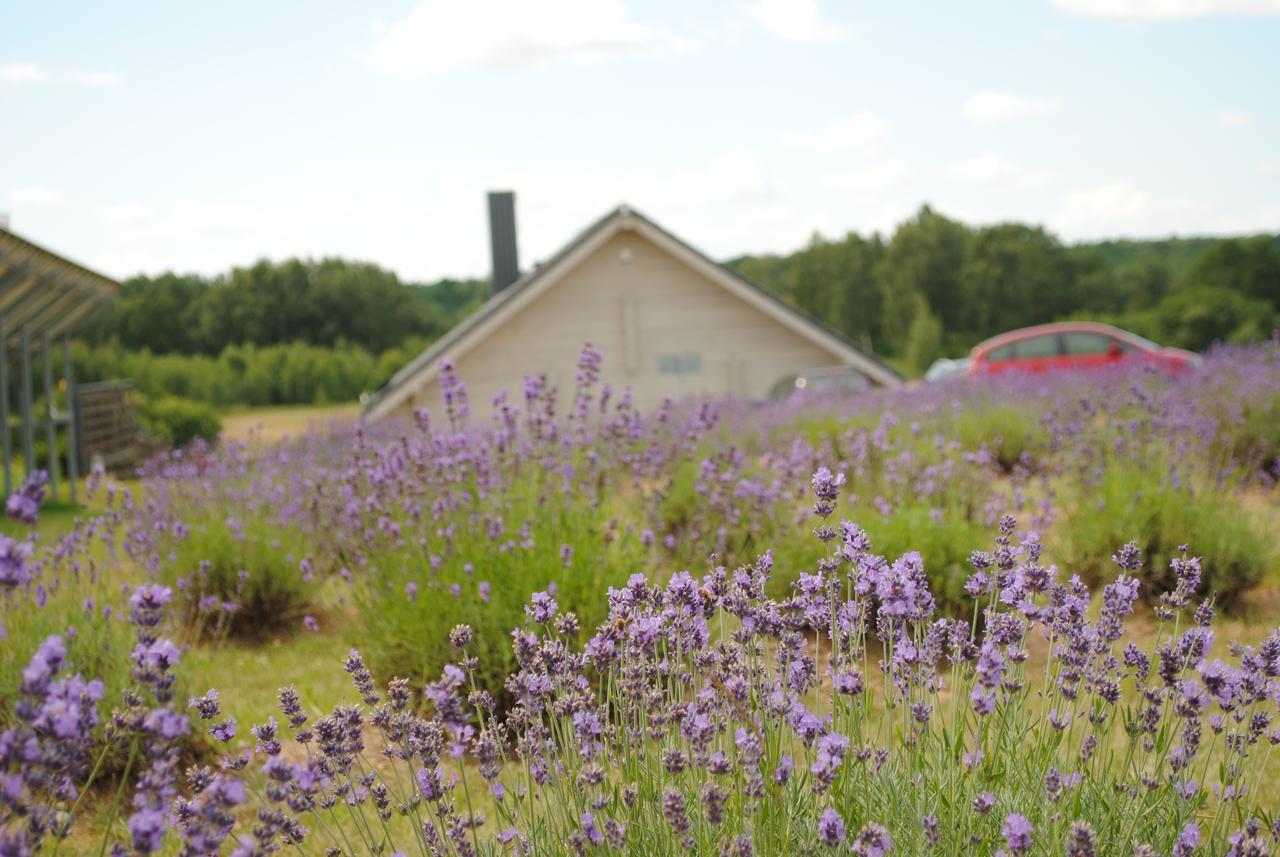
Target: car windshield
(1143,341)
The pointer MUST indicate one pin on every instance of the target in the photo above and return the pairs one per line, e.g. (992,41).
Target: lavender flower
(1188,839)
(24,504)
(147,828)
(590,830)
(460,636)
(1080,840)
(13,562)
(1017,833)
(872,841)
(826,490)
(361,677)
(541,608)
(831,828)
(929,824)
(782,773)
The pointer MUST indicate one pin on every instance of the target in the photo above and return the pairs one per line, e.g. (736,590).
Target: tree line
(303,331)
(292,332)
(326,302)
(937,286)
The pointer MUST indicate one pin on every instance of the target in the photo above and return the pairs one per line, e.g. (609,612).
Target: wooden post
(28,442)
(4,412)
(73,446)
(50,427)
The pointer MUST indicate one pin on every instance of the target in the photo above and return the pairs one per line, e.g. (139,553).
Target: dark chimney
(502,240)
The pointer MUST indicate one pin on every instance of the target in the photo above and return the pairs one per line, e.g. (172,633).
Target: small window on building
(679,364)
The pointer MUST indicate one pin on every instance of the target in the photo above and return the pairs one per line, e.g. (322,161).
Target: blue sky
(148,136)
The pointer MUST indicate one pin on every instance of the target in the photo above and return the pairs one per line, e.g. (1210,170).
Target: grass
(56,519)
(403,620)
(1233,528)
(271,425)
(249,675)
(1237,544)
(256,566)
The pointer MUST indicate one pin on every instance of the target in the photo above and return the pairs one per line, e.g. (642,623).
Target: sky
(151,136)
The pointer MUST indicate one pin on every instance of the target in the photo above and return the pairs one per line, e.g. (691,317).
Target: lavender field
(1011,616)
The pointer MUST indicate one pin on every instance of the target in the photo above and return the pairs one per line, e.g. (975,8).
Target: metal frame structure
(42,298)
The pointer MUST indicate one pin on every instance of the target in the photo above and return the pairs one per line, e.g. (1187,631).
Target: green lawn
(268,425)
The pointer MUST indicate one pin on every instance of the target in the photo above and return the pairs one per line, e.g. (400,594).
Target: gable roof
(504,304)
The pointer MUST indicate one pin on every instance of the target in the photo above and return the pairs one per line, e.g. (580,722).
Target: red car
(1072,345)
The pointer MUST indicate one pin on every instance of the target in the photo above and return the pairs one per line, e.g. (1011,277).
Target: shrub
(246,374)
(776,697)
(224,529)
(1246,406)
(244,578)
(62,596)
(943,538)
(84,616)
(1012,433)
(705,717)
(1254,442)
(1150,504)
(179,421)
(409,600)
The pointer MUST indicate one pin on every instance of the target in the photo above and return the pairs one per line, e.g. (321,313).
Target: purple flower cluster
(45,751)
(24,504)
(854,702)
(14,557)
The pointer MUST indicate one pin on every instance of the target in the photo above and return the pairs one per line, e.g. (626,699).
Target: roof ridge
(621,211)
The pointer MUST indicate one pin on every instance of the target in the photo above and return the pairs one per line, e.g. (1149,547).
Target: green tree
(923,260)
(924,339)
(1197,317)
(834,281)
(1013,275)
(1249,266)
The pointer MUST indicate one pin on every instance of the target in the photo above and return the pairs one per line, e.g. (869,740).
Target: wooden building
(43,298)
(669,321)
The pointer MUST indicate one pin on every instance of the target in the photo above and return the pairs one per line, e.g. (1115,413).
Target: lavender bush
(453,507)
(808,693)
(703,716)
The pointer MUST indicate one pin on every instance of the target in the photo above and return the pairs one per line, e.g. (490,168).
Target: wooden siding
(635,302)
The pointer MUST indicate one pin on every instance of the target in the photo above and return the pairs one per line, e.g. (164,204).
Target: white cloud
(424,229)
(22,72)
(125,214)
(1114,204)
(25,72)
(1267,217)
(990,168)
(875,177)
(440,35)
(887,218)
(1167,10)
(988,107)
(796,20)
(1230,119)
(1263,218)
(96,78)
(727,178)
(34,196)
(403,228)
(864,129)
